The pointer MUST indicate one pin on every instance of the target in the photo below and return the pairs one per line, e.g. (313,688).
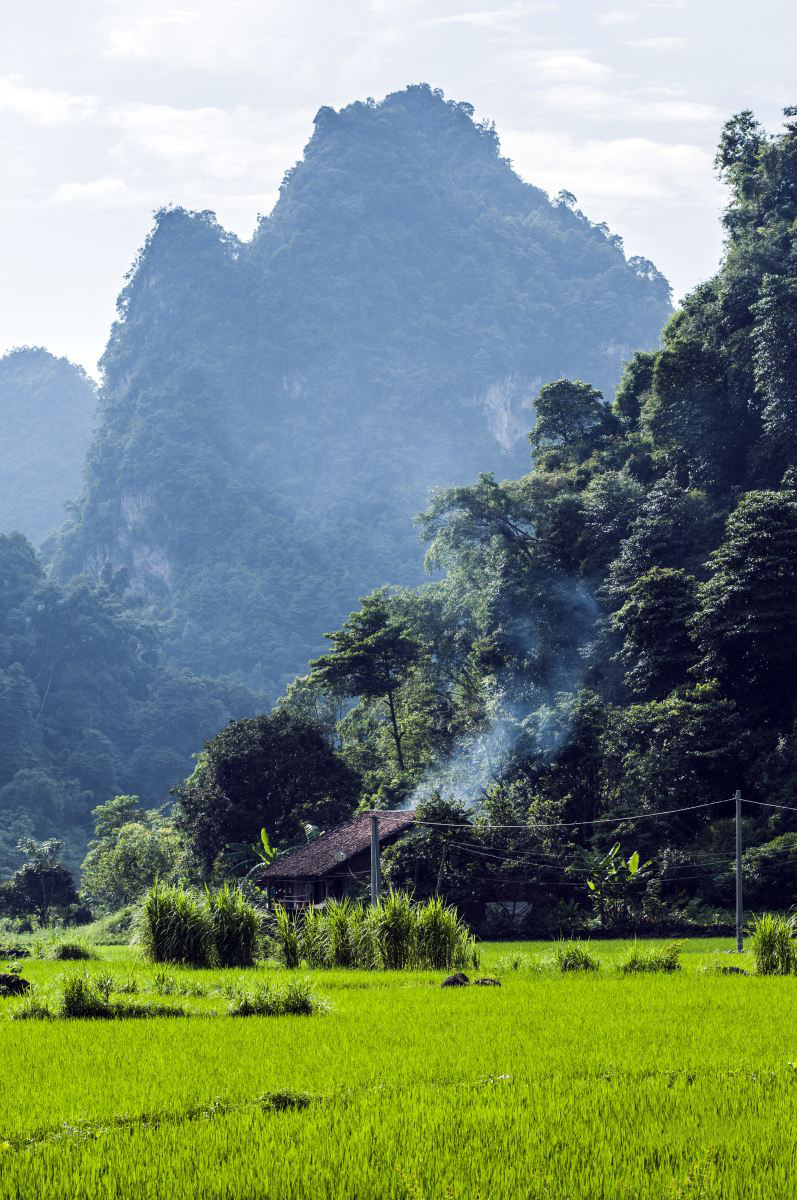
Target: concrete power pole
(739,908)
(376,867)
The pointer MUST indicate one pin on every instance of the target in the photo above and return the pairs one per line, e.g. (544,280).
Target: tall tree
(273,772)
(373,653)
(571,417)
(746,624)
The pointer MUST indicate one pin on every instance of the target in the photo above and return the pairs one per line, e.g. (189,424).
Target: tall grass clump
(83,996)
(32,1008)
(442,940)
(59,949)
(175,926)
(393,935)
(665,959)
(574,956)
(395,923)
(234,926)
(312,937)
(295,999)
(773,944)
(286,935)
(340,940)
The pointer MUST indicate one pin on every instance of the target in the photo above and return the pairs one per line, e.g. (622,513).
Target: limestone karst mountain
(274,413)
(47,406)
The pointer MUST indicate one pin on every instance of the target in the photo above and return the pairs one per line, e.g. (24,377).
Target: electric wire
(666,812)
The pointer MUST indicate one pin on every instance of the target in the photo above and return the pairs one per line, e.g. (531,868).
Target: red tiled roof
(335,847)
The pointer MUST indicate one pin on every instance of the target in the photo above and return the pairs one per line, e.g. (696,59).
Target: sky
(110,109)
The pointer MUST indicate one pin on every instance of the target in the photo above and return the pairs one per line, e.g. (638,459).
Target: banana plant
(611,879)
(242,854)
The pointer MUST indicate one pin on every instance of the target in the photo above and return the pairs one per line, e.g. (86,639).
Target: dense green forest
(47,406)
(86,707)
(615,631)
(274,413)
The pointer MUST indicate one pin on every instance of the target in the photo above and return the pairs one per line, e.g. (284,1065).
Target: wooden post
(739,907)
(376,871)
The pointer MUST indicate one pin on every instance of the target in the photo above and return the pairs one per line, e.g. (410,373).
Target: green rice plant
(773,944)
(574,956)
(133,1011)
(235,925)
(286,936)
(661,958)
(175,927)
(127,986)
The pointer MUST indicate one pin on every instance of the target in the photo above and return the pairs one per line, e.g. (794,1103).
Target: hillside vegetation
(615,631)
(273,413)
(86,708)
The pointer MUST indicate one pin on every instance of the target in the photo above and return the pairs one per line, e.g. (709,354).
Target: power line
(667,812)
(762,804)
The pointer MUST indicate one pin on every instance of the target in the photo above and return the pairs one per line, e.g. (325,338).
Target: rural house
(336,864)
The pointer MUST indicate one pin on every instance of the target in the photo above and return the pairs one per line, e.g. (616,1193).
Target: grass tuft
(773,944)
(664,959)
(574,956)
(295,999)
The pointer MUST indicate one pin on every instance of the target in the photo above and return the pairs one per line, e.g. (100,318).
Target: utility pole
(376,868)
(738,799)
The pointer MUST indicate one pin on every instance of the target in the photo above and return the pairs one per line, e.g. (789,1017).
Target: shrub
(296,999)
(773,945)
(234,926)
(662,958)
(575,956)
(175,926)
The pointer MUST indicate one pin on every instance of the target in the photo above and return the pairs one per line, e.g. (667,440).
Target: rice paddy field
(570,1086)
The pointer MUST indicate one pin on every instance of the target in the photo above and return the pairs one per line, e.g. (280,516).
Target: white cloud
(43,106)
(564,65)
(137,39)
(489,17)
(595,103)
(660,43)
(96,193)
(629,169)
(240,35)
(229,147)
(615,17)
